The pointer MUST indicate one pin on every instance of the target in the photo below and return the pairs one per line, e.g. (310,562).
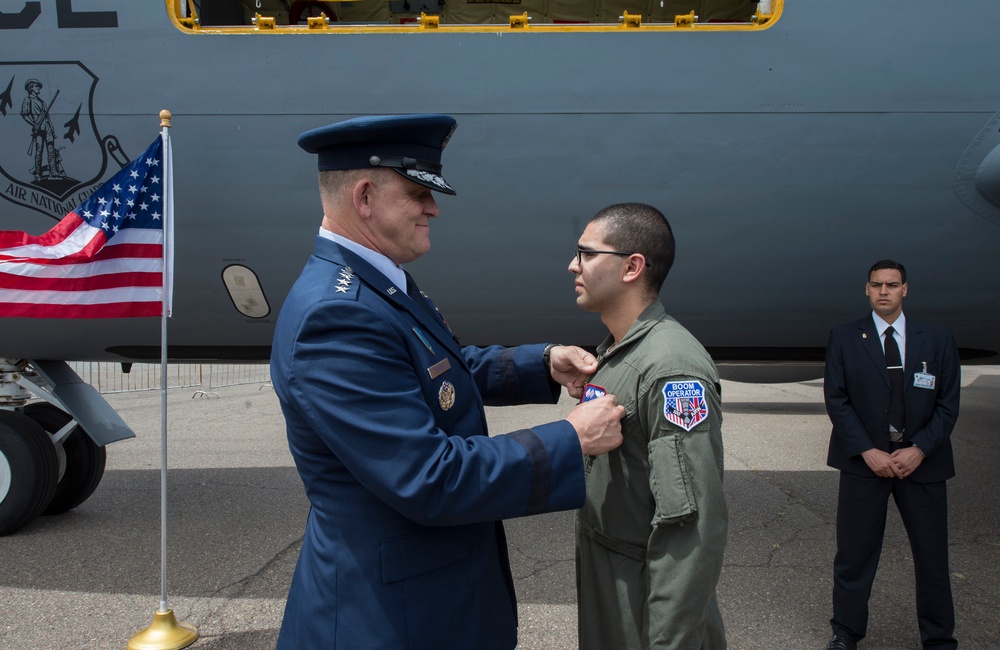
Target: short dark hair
(640,228)
(888,264)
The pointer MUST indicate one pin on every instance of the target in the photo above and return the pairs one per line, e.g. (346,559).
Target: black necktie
(894,364)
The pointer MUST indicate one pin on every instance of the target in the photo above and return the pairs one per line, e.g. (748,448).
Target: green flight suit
(652,533)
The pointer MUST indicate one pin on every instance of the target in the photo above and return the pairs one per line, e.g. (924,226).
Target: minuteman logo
(684,403)
(51,155)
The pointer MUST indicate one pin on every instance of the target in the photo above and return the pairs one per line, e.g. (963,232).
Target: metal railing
(108,377)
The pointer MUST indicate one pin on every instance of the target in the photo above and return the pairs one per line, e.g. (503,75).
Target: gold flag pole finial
(165,118)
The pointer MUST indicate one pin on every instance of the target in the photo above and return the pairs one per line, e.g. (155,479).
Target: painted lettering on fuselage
(66,17)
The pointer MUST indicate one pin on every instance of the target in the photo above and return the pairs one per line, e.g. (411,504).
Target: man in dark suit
(384,413)
(892,391)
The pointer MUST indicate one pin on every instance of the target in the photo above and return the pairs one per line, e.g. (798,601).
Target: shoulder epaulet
(346,283)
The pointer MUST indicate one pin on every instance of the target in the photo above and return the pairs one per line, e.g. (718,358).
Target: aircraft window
(245,292)
(381,16)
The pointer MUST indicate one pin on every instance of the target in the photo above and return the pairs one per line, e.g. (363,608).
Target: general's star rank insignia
(344,281)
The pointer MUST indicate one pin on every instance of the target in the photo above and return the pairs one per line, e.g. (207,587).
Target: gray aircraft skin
(789,154)
(788,159)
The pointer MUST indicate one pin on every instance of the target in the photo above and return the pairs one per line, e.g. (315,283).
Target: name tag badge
(923,380)
(593,391)
(438,368)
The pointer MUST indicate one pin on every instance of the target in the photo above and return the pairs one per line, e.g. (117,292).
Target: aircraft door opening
(383,16)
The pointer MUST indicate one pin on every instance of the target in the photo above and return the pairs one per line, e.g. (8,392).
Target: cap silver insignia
(428,177)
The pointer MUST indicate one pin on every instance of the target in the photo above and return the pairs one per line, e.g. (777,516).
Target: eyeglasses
(580,252)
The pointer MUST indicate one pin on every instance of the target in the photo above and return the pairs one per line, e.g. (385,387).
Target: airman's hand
(570,367)
(598,425)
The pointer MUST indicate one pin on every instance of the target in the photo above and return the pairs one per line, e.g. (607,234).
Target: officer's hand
(598,425)
(570,366)
(881,463)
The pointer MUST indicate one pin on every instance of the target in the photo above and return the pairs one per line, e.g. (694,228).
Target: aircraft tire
(29,471)
(85,460)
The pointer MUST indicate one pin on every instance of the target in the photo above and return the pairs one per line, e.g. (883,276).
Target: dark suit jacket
(856,385)
(384,413)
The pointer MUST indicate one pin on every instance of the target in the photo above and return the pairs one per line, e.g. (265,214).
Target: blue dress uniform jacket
(403,546)
(858,391)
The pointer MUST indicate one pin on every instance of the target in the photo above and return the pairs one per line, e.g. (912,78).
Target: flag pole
(165,633)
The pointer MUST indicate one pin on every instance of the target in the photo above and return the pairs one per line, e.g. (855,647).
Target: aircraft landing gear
(39,476)
(29,471)
(81,460)
(52,454)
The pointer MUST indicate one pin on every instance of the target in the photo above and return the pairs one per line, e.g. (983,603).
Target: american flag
(102,260)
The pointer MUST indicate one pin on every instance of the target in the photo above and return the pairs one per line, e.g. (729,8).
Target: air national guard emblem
(446,396)
(55,158)
(684,403)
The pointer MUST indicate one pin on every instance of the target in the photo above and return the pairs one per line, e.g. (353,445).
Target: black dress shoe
(840,643)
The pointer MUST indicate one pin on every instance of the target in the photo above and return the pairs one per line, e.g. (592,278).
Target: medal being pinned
(593,391)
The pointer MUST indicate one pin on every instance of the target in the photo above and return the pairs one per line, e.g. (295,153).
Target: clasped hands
(899,464)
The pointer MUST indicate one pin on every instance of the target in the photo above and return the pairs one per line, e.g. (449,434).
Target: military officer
(404,547)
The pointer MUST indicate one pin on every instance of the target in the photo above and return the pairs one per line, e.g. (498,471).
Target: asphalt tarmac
(90,579)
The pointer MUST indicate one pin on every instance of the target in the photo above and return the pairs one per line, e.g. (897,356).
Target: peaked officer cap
(409,144)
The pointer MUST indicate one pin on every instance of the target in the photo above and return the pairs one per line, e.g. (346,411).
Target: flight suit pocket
(670,482)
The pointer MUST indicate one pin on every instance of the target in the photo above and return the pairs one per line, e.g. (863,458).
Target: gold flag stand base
(164,634)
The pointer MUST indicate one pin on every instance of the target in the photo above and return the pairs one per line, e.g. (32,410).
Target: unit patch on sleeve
(684,403)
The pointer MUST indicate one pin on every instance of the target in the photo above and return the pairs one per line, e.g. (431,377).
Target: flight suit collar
(650,316)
